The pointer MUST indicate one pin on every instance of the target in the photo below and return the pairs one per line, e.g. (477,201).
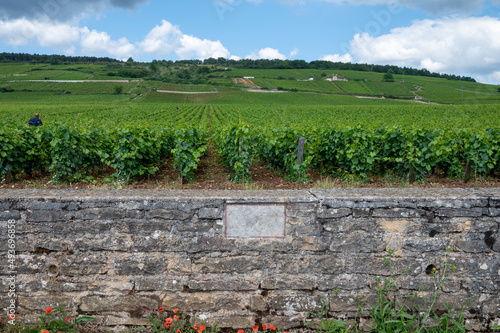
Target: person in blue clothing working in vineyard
(35,121)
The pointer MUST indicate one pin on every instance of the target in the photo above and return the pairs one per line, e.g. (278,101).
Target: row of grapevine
(73,153)
(362,151)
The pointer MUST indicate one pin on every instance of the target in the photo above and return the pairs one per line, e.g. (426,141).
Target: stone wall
(111,254)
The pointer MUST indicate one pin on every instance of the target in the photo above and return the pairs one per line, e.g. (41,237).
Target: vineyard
(417,141)
(123,129)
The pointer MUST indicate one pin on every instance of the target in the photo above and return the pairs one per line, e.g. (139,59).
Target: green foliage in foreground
(75,153)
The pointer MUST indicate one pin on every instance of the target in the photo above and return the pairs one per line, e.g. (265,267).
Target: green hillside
(145,79)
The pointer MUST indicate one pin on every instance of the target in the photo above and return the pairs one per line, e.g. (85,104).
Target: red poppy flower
(161,309)
(167,325)
(272,327)
(68,319)
(178,331)
(202,327)
(255,328)
(195,326)
(168,320)
(48,310)
(264,327)
(12,316)
(176,317)
(241,331)
(175,310)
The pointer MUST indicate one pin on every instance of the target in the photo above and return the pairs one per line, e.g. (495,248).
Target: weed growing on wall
(390,315)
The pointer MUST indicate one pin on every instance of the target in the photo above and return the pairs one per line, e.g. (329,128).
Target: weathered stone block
(104,213)
(159,283)
(47,216)
(400,212)
(378,266)
(228,319)
(128,303)
(230,283)
(471,245)
(207,244)
(358,242)
(204,301)
(144,265)
(351,301)
(332,213)
(420,245)
(307,264)
(239,264)
(361,212)
(294,303)
(284,282)
(210,213)
(258,303)
(343,282)
(473,212)
(481,286)
(169,214)
(7,215)
(310,243)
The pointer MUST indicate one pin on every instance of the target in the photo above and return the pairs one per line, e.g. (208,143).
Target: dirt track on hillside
(246,82)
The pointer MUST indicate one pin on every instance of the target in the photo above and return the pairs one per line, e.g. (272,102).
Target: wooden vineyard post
(467,172)
(300,150)
(8,177)
(239,155)
(411,175)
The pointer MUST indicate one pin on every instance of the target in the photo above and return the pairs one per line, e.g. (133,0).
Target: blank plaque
(255,221)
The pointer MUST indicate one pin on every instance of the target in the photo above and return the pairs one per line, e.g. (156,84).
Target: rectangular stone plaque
(255,220)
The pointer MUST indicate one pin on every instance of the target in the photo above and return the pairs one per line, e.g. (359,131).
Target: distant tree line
(323,64)
(242,63)
(52,59)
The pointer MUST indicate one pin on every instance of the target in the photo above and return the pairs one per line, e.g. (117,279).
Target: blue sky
(451,36)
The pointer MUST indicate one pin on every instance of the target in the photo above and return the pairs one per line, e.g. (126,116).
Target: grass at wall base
(412,315)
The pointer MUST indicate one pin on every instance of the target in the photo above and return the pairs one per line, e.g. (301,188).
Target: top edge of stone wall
(404,194)
(312,195)
(271,196)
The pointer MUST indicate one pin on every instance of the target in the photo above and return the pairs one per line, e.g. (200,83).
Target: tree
(153,66)
(118,89)
(203,70)
(388,77)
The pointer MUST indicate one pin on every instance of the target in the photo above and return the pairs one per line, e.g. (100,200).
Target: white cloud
(337,58)
(266,53)
(452,45)
(294,52)
(167,38)
(47,34)
(193,47)
(100,43)
(162,40)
